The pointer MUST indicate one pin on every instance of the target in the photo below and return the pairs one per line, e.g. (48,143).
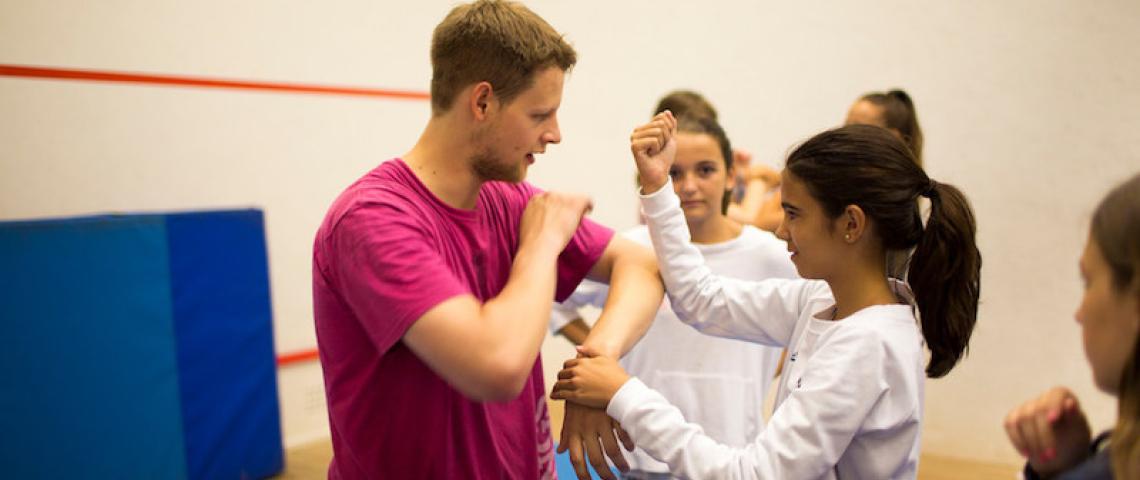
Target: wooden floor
(312,462)
(307,462)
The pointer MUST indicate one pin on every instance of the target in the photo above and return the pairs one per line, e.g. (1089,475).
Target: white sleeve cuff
(659,201)
(561,316)
(631,394)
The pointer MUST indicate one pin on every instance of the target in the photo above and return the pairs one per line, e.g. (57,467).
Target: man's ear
(481,100)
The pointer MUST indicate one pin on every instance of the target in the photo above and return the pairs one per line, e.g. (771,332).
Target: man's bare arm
(635,295)
(487,350)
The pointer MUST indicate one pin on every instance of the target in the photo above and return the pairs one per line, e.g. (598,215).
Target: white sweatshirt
(717,383)
(850,399)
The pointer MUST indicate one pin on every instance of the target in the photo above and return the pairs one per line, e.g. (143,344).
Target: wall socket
(304,413)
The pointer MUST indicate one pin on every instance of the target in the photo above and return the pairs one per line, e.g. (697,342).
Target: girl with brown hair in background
(1051,430)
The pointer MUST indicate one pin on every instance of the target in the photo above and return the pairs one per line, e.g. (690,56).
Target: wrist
(757,181)
(628,395)
(616,386)
(544,244)
(652,183)
(602,348)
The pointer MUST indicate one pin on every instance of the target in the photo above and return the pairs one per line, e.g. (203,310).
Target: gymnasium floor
(311,462)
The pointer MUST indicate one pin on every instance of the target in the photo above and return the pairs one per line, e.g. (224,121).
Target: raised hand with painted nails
(1051,431)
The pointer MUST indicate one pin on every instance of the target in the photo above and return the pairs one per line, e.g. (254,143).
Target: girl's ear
(853,223)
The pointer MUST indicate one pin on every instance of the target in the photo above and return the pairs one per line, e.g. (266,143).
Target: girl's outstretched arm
(761,312)
(757,312)
(853,386)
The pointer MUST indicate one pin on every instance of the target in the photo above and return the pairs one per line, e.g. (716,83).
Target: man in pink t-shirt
(433,273)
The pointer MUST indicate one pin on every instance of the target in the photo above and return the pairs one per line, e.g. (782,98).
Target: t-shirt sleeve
(580,255)
(588,293)
(387,272)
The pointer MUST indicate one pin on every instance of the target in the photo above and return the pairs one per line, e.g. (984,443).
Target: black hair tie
(931,189)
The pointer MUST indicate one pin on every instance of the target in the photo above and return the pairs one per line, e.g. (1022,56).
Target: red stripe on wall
(297,357)
(181,81)
(199,82)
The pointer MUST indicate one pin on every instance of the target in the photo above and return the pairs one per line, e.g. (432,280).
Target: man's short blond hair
(503,43)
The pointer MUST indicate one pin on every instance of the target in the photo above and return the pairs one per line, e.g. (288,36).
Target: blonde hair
(502,43)
(1116,230)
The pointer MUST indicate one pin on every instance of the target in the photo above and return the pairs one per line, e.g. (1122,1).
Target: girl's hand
(1051,431)
(770,176)
(653,148)
(741,160)
(589,380)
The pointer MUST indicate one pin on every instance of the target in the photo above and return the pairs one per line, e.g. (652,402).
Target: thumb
(586,205)
(588,351)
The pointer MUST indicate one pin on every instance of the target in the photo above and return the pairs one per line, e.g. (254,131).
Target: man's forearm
(514,320)
(500,338)
(635,295)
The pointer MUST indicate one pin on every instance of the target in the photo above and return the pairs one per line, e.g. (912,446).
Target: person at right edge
(1051,431)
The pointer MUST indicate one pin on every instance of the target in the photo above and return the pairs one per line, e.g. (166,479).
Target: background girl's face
(812,236)
(699,176)
(1109,318)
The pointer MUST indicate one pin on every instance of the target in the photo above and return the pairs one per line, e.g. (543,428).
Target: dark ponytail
(945,276)
(869,167)
(899,114)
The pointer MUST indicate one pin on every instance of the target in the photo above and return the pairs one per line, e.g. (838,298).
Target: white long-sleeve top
(849,403)
(717,383)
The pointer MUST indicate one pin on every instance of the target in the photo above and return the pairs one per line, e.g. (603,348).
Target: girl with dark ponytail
(860,166)
(849,403)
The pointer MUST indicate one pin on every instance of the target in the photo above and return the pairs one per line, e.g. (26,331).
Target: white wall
(1029,106)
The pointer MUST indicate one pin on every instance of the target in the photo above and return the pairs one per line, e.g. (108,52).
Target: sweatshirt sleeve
(588,293)
(757,311)
(806,437)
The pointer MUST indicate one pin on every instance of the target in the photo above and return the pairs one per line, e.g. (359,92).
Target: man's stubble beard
(487,166)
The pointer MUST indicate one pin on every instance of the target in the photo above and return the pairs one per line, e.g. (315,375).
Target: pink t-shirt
(387,252)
